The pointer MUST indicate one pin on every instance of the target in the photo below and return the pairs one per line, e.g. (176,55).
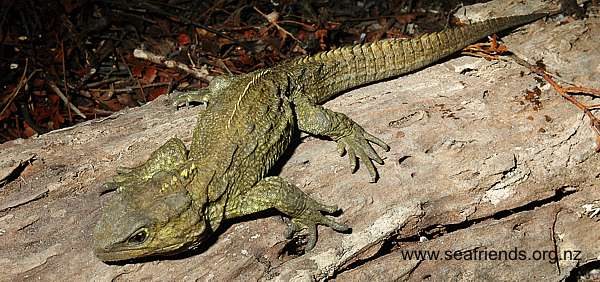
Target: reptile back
(247,126)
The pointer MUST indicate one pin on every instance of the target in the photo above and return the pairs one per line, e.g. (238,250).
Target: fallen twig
(133,87)
(564,92)
(64,98)
(97,111)
(64,71)
(489,50)
(583,90)
(22,82)
(273,18)
(134,78)
(147,7)
(492,50)
(145,55)
(98,83)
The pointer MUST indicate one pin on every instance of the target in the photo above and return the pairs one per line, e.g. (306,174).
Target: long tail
(351,66)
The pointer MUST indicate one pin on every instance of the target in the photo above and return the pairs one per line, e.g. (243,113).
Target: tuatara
(179,197)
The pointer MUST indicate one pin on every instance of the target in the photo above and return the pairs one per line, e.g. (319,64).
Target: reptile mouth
(131,254)
(111,256)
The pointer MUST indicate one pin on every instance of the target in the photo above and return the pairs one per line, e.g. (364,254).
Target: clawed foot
(189,97)
(356,145)
(310,218)
(123,174)
(167,157)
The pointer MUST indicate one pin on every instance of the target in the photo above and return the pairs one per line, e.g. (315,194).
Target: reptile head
(148,217)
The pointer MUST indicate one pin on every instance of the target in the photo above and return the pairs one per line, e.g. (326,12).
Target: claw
(309,220)
(312,236)
(334,225)
(326,208)
(353,159)
(377,141)
(341,149)
(357,145)
(123,170)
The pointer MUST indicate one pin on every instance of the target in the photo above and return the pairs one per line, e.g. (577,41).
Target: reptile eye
(138,237)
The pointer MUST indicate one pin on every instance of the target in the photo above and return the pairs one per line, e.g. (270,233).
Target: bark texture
(475,166)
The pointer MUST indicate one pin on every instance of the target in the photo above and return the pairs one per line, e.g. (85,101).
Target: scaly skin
(178,198)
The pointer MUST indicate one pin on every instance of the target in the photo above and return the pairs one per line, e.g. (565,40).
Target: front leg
(351,138)
(166,158)
(276,192)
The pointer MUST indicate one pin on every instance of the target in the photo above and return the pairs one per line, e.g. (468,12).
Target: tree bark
(476,167)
